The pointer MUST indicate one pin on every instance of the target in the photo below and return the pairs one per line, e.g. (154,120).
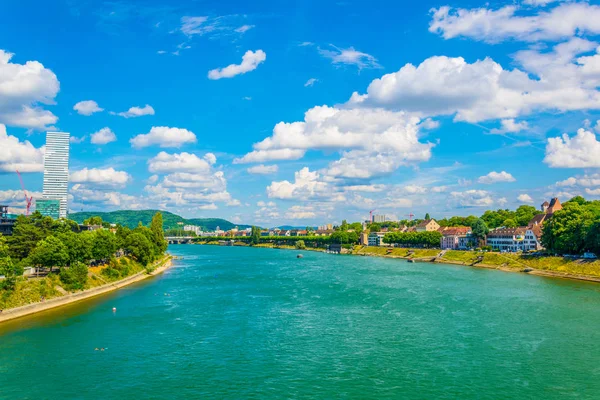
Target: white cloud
(378,141)
(597,127)
(102,177)
(76,139)
(564,21)
(496,177)
(484,90)
(586,180)
(87,107)
(17,155)
(525,198)
(195,25)
(22,88)
(538,3)
(414,189)
(103,136)
(102,199)
(263,169)
(311,82)
(164,136)
(510,126)
(472,198)
(350,56)
(244,28)
(183,162)
(592,192)
(136,111)
(250,61)
(306,184)
(270,155)
(580,151)
(152,180)
(207,180)
(264,204)
(300,212)
(429,124)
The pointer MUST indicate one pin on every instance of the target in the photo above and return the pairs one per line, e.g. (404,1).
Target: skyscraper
(56,169)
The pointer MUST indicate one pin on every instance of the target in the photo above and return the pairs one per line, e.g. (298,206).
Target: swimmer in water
(102,349)
(96,349)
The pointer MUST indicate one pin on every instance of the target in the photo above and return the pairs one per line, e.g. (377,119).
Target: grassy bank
(28,291)
(555,266)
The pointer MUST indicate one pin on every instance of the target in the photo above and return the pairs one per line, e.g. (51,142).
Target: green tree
(26,235)
(566,232)
(427,217)
(93,221)
(49,253)
(479,231)
(524,214)
(255,235)
(10,270)
(158,237)
(510,223)
(344,226)
(104,245)
(140,247)
(579,200)
(592,239)
(75,277)
(300,244)
(79,245)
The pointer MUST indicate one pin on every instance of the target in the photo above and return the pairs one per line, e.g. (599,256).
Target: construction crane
(371,215)
(28,199)
(410,216)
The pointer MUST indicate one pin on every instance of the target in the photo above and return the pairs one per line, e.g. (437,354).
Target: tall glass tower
(56,169)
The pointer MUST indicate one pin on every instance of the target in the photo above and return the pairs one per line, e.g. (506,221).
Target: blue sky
(300,113)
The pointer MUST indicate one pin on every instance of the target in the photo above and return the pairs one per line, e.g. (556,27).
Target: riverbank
(69,298)
(556,267)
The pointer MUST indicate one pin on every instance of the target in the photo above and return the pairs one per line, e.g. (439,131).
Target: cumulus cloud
(164,136)
(484,90)
(23,87)
(101,177)
(77,139)
(250,61)
(17,155)
(87,107)
(103,136)
(183,162)
(579,151)
(306,184)
(263,169)
(525,198)
(300,212)
(136,111)
(587,180)
(563,21)
(378,141)
(510,126)
(472,198)
(349,56)
(496,177)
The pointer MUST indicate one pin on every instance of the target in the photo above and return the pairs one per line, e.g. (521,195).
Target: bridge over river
(179,239)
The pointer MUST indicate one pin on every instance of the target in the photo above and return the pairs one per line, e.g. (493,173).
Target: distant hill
(290,227)
(131,219)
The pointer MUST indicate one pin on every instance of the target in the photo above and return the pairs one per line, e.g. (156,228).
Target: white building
(56,169)
(376,238)
(193,228)
(379,218)
(515,239)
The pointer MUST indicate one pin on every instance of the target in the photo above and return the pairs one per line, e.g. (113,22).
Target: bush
(300,244)
(74,277)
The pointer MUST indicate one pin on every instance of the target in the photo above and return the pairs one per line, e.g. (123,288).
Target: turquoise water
(242,323)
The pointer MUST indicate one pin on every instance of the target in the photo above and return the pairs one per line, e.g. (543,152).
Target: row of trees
(39,241)
(416,239)
(574,229)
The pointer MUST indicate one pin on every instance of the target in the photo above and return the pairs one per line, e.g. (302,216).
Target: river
(239,323)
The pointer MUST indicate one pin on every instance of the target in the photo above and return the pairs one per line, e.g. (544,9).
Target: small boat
(528,270)
(299,256)
(410,260)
